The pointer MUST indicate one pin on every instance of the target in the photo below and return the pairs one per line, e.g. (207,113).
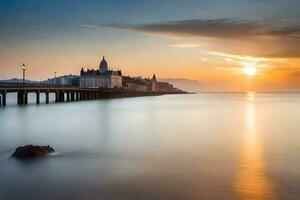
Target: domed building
(100,78)
(103,66)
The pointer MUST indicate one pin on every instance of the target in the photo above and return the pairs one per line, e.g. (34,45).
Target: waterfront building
(100,78)
(135,83)
(154,83)
(140,84)
(165,87)
(146,84)
(104,77)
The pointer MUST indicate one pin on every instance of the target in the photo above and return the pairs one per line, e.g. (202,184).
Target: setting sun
(250,70)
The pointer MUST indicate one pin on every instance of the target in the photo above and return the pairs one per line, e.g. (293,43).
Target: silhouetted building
(101,78)
(154,83)
(146,84)
(165,87)
(107,78)
(135,83)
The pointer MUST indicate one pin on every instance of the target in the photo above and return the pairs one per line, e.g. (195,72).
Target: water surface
(202,146)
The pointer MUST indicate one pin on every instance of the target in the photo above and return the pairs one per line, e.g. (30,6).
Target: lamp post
(55,77)
(23,70)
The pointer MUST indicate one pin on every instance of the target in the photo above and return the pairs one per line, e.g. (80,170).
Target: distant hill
(185,84)
(16,80)
(62,80)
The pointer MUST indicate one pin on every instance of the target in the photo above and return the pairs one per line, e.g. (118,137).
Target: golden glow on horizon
(214,70)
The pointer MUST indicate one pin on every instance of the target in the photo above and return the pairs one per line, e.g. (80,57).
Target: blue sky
(59,16)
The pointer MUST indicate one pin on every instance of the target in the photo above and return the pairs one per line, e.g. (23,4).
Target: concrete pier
(66,93)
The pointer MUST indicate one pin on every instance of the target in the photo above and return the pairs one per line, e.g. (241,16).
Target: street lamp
(23,70)
(55,77)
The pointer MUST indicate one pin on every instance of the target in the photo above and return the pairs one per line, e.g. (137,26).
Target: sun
(250,70)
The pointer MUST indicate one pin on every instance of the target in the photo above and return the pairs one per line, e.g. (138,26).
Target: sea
(210,146)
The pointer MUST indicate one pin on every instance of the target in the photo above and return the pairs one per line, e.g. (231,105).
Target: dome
(103,65)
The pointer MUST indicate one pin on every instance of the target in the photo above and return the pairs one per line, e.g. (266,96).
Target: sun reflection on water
(251,181)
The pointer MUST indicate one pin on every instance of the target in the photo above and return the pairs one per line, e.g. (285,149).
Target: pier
(65,93)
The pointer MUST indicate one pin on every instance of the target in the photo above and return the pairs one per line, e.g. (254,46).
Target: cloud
(184,45)
(238,57)
(227,28)
(253,38)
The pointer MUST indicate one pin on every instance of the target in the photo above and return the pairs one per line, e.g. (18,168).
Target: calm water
(204,146)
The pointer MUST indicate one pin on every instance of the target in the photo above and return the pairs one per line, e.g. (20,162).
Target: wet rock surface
(32,151)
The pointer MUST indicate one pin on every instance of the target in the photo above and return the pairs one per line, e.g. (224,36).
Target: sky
(216,42)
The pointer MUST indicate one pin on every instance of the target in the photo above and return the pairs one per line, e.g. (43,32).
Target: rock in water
(31,151)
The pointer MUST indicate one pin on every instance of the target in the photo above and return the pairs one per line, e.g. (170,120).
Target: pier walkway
(65,93)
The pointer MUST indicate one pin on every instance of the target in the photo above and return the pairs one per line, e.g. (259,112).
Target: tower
(103,66)
(154,83)
(154,78)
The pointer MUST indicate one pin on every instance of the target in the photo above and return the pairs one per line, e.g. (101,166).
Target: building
(165,87)
(154,84)
(100,78)
(135,83)
(140,84)
(103,77)
(146,84)
(70,80)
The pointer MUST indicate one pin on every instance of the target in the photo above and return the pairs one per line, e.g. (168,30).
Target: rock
(31,151)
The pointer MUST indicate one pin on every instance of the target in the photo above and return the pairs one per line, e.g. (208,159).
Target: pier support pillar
(56,96)
(26,97)
(47,97)
(77,96)
(37,98)
(22,98)
(72,96)
(0,100)
(68,96)
(4,99)
(61,96)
